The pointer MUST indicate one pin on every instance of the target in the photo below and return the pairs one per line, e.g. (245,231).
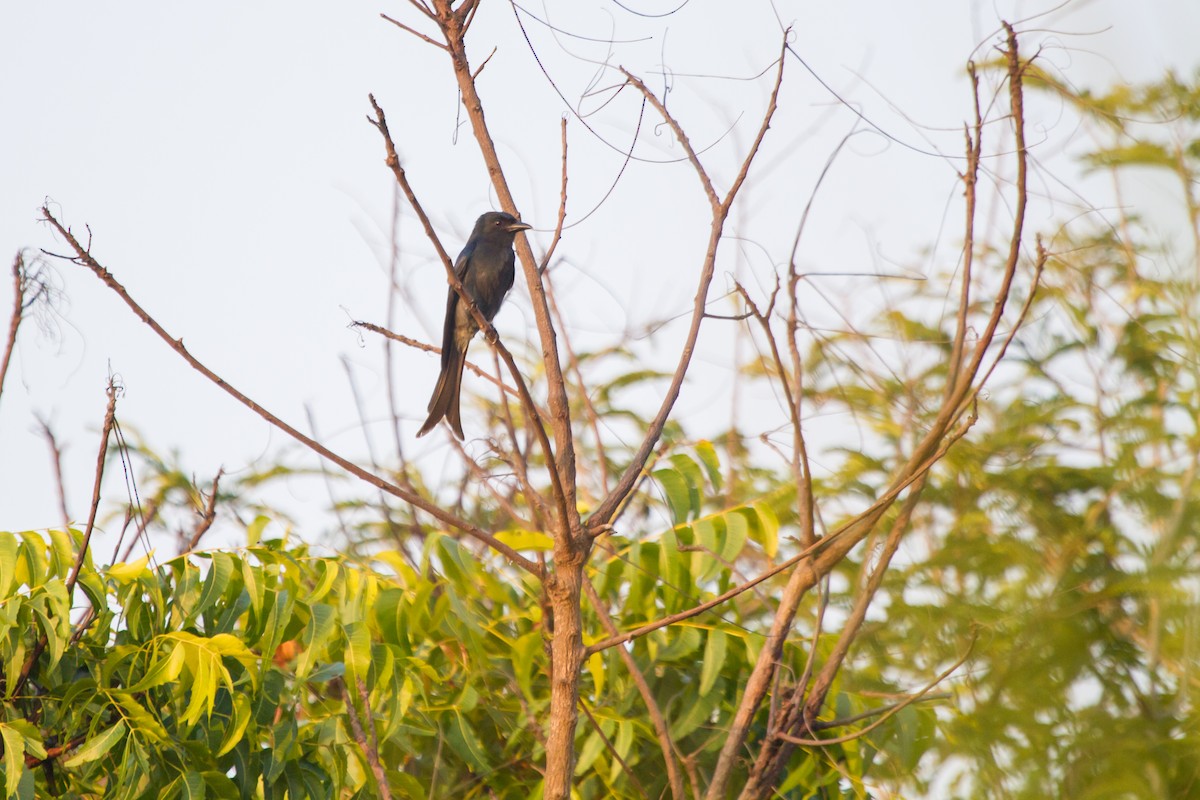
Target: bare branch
(56,463)
(84,258)
(415,33)
(680,136)
(661,730)
(559,481)
(720,211)
(106,429)
(370,749)
(885,715)
(209,514)
(562,205)
(18,313)
(429,348)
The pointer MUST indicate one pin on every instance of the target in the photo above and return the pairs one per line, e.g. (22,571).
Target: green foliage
(1057,543)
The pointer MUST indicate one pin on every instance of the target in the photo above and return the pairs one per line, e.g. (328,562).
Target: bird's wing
(509,273)
(448,325)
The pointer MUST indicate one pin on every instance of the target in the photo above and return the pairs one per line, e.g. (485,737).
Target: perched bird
(486,267)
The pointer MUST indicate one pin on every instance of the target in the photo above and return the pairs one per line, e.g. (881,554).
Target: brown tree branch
(18,313)
(110,414)
(562,205)
(884,715)
(370,749)
(534,417)
(604,512)
(933,442)
(209,513)
(84,258)
(56,464)
(661,729)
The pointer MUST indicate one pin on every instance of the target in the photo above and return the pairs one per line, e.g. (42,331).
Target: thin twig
(562,205)
(56,464)
(85,258)
(415,33)
(886,715)
(369,749)
(429,348)
(209,514)
(18,313)
(661,729)
(106,429)
(534,420)
(720,211)
(612,750)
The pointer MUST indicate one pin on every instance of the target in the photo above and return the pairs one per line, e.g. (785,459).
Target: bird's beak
(518,226)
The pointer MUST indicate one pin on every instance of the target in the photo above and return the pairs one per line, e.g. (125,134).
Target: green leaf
(465,742)
(255,529)
(596,669)
(358,652)
(128,572)
(769,528)
(526,540)
(62,553)
(165,669)
(320,627)
(193,786)
(31,562)
(712,465)
(8,562)
(675,487)
(706,561)
(253,584)
(97,746)
(14,758)
(714,660)
(737,529)
(215,584)
(329,571)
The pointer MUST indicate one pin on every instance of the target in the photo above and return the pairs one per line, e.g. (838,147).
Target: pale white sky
(220,155)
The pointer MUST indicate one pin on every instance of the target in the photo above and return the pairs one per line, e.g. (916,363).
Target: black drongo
(486,268)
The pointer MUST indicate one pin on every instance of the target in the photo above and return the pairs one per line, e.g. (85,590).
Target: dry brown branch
(562,205)
(934,441)
(84,258)
(519,462)
(414,32)
(571,541)
(774,755)
(56,464)
(661,730)
(18,313)
(370,749)
(605,510)
(209,513)
(612,750)
(429,348)
(884,715)
(858,615)
(110,414)
(589,408)
(558,483)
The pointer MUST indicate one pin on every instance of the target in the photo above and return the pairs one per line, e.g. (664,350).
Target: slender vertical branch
(56,464)
(110,414)
(18,313)
(369,748)
(661,730)
(720,212)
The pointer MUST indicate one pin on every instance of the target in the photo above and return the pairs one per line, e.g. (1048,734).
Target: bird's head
(498,223)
